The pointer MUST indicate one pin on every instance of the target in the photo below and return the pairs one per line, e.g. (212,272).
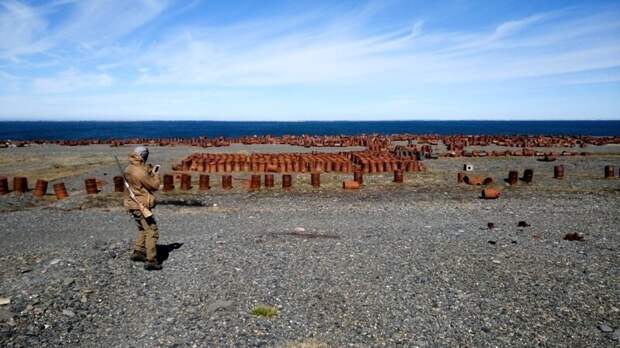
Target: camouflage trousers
(148,234)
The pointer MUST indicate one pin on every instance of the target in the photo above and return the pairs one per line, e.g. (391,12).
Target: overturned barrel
(513,177)
(558,171)
(350,185)
(186,182)
(398,176)
(315,179)
(168,182)
(287,181)
(528,175)
(91,186)
(4,185)
(609,172)
(40,188)
(269,181)
(227,182)
(119,184)
(60,190)
(20,184)
(490,193)
(203,182)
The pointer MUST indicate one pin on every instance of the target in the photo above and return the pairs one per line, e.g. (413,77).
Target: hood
(135,159)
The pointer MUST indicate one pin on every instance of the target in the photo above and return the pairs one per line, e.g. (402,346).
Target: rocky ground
(414,264)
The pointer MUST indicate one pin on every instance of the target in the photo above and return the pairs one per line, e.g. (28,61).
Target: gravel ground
(389,265)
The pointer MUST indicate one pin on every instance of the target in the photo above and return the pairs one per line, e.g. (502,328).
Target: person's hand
(156,169)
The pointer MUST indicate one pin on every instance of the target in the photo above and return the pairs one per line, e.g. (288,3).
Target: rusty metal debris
(477,180)
(60,190)
(91,186)
(460,177)
(40,188)
(558,171)
(20,184)
(575,236)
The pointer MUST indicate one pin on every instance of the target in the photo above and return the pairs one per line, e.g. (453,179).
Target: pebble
(605,328)
(68,313)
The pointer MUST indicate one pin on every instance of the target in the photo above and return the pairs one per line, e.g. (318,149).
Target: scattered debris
(490,225)
(575,236)
(523,224)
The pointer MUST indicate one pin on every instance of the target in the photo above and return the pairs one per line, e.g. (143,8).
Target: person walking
(143,180)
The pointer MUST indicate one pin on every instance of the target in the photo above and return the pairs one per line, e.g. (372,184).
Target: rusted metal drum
(459,177)
(20,184)
(513,177)
(60,190)
(227,182)
(472,180)
(287,181)
(528,175)
(203,182)
(269,182)
(610,172)
(168,182)
(350,185)
(398,176)
(119,184)
(490,193)
(558,171)
(358,175)
(40,188)
(255,182)
(186,182)
(4,185)
(91,186)
(315,179)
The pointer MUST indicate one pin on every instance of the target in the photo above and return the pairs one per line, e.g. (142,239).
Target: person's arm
(151,181)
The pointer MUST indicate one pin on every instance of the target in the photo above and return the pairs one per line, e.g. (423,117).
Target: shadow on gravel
(163,250)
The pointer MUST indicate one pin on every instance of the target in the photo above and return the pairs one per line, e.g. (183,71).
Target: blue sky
(309,60)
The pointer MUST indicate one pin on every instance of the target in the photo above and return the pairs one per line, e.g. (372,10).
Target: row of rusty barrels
(254,182)
(20,185)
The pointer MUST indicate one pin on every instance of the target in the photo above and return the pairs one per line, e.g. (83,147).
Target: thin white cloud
(71,80)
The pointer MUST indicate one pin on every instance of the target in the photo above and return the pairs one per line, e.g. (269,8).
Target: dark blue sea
(49,130)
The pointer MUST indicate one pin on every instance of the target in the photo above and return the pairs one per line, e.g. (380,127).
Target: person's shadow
(163,250)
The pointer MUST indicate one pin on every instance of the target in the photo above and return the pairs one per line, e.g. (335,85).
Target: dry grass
(51,167)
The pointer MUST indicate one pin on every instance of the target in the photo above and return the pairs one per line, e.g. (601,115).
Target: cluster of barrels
(381,162)
(20,185)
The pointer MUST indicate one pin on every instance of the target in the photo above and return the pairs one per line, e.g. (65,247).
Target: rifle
(145,212)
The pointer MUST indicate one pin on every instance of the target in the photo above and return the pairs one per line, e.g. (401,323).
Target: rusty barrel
(459,177)
(20,184)
(119,184)
(513,177)
(528,175)
(186,182)
(203,182)
(227,182)
(558,171)
(609,172)
(168,182)
(254,182)
(4,185)
(398,176)
(40,188)
(350,185)
(269,182)
(60,190)
(287,181)
(315,179)
(91,186)
(490,193)
(358,175)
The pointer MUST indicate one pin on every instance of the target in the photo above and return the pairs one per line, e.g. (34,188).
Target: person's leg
(139,249)
(151,236)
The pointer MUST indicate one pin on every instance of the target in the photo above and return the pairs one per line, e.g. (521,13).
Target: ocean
(72,130)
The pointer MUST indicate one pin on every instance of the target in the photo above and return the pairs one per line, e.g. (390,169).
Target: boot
(152,266)
(138,256)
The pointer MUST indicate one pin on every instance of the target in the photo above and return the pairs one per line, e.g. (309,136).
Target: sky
(309,60)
